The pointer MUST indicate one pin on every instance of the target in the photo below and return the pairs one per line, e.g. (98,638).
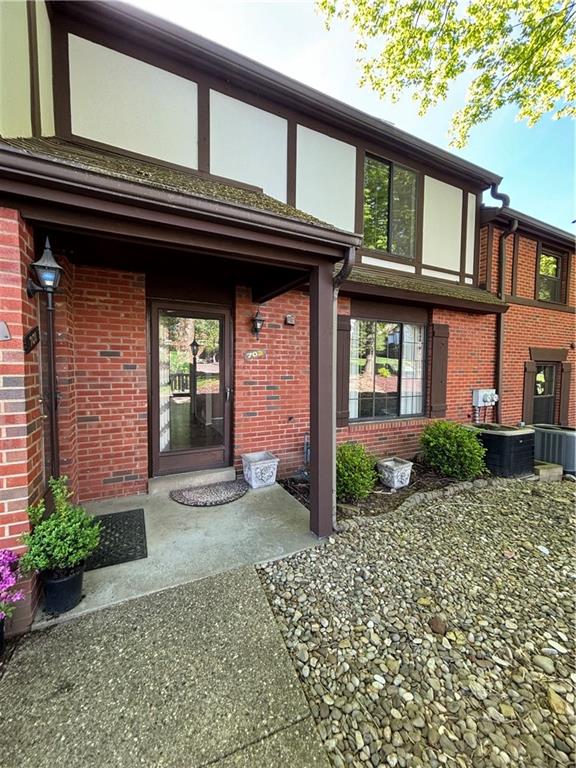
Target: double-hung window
(549,278)
(390,195)
(386,369)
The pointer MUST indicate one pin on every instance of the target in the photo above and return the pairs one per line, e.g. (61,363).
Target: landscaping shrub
(62,541)
(453,450)
(355,472)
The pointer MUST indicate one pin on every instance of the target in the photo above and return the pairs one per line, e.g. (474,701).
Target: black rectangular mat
(122,539)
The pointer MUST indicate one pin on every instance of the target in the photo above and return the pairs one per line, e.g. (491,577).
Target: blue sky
(538,164)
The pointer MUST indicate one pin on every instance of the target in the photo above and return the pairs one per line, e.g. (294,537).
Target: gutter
(500,327)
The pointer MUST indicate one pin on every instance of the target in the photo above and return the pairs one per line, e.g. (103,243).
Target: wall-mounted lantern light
(257,323)
(48,273)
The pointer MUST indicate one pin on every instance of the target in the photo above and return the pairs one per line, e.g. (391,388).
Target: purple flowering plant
(8,579)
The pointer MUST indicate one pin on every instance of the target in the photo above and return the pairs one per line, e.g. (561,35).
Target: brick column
(21,449)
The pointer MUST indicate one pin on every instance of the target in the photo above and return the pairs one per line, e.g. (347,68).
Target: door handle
(228,394)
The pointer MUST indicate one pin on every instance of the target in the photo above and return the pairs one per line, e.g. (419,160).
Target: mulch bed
(381,500)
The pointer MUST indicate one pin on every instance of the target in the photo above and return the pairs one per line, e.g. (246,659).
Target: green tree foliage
(520,52)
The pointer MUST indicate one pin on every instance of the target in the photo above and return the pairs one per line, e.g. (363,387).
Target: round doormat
(211,495)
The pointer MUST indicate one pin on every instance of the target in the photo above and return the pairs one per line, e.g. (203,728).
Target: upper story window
(390,193)
(386,369)
(549,278)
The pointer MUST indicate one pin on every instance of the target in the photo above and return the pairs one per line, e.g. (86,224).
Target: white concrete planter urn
(259,468)
(394,472)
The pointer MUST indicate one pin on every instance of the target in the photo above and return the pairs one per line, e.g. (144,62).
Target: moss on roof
(150,174)
(422,285)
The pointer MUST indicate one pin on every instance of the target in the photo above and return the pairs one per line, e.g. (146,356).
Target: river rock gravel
(441,633)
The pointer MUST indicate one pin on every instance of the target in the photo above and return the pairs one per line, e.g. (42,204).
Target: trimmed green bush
(355,472)
(62,541)
(453,451)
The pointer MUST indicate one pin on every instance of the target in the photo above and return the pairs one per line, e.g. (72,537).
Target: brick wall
(471,356)
(471,359)
(108,322)
(272,394)
(21,458)
(529,326)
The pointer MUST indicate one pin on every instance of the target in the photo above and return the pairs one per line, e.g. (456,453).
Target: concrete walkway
(189,543)
(189,677)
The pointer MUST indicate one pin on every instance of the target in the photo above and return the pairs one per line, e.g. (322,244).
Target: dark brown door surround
(190,378)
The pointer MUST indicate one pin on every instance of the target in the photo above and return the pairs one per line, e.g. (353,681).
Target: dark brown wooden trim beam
(427,299)
(291,160)
(35,116)
(540,304)
(203,127)
(542,355)
(463,238)
(322,422)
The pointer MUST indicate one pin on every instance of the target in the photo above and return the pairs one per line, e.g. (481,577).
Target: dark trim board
(540,304)
(541,355)
(35,114)
(411,297)
(88,27)
(166,43)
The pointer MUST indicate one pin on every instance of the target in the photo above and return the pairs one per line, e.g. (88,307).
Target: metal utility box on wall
(484,397)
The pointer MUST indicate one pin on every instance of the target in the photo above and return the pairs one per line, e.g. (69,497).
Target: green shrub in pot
(59,544)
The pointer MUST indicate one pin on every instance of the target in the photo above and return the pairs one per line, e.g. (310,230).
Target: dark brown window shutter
(529,383)
(342,371)
(566,377)
(439,373)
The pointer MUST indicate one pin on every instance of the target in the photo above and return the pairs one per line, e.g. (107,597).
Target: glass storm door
(190,389)
(544,394)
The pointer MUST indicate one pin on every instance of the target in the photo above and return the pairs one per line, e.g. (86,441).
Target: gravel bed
(441,633)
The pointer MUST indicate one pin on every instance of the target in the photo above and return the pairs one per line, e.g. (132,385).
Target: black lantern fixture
(48,273)
(194,347)
(257,323)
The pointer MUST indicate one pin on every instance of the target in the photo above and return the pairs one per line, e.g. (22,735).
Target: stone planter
(394,472)
(259,468)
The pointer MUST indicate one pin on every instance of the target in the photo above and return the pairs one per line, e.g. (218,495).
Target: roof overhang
(170,40)
(429,292)
(56,194)
(529,225)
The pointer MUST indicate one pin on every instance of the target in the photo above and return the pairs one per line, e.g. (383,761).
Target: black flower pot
(2,638)
(62,592)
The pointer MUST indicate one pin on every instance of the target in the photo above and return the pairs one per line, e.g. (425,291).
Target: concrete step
(168,483)
(548,472)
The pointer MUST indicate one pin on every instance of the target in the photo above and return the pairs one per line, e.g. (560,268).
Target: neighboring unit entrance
(190,387)
(544,394)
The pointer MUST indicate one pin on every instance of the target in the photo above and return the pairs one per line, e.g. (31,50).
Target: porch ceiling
(172,269)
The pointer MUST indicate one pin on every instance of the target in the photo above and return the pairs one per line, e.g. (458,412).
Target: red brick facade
(272,394)
(21,457)
(539,325)
(101,370)
(101,357)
